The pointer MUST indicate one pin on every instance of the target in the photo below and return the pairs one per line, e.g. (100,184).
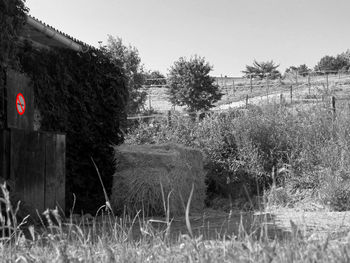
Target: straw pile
(143,170)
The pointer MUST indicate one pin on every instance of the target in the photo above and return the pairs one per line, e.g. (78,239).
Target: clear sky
(228,33)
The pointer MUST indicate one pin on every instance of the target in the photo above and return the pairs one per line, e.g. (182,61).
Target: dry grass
(141,169)
(109,239)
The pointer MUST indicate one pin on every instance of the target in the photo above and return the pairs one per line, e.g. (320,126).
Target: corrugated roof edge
(83,44)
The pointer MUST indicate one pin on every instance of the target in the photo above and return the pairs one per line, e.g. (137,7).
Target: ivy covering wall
(83,95)
(12,18)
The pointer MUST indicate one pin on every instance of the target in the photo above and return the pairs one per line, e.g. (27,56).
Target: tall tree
(262,69)
(129,59)
(189,84)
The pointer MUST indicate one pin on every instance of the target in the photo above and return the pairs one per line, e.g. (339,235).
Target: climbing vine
(83,95)
(12,18)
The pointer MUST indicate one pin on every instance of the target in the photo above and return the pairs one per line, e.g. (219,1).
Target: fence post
(233,86)
(149,101)
(246,101)
(169,118)
(267,86)
(327,80)
(251,83)
(291,94)
(333,105)
(296,77)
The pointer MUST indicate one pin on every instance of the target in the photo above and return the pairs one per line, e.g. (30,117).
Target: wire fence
(294,87)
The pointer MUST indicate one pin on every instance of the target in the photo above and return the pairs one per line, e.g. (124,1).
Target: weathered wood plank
(2,99)
(4,154)
(55,170)
(61,170)
(50,172)
(28,168)
(19,83)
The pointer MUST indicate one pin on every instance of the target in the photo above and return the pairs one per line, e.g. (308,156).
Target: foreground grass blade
(187,214)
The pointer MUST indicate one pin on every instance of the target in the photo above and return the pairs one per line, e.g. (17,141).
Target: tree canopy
(190,85)
(330,63)
(128,58)
(302,70)
(262,69)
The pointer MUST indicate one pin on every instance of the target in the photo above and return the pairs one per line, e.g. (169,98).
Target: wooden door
(37,169)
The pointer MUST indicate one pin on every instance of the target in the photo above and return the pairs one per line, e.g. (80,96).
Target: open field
(239,89)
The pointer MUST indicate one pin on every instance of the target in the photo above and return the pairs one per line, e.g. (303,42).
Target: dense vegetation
(81,94)
(341,62)
(128,58)
(78,94)
(12,17)
(244,147)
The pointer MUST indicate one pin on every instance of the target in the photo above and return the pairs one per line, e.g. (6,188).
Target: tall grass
(244,146)
(105,238)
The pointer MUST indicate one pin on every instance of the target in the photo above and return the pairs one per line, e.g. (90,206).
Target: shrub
(243,146)
(335,192)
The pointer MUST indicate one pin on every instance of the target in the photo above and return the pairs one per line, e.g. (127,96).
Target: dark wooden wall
(34,161)
(35,164)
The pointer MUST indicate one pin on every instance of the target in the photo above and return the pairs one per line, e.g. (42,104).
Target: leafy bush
(335,193)
(228,162)
(243,146)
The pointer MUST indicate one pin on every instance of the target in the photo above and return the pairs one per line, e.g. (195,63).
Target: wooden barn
(32,160)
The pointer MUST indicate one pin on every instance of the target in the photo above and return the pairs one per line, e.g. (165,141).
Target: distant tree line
(329,64)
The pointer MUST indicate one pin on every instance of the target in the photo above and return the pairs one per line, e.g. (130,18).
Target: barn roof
(45,36)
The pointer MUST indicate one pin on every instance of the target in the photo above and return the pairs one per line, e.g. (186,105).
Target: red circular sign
(20,104)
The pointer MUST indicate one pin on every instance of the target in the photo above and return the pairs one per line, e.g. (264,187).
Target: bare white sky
(228,33)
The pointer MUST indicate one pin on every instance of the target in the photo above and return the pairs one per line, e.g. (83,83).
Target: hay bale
(142,169)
